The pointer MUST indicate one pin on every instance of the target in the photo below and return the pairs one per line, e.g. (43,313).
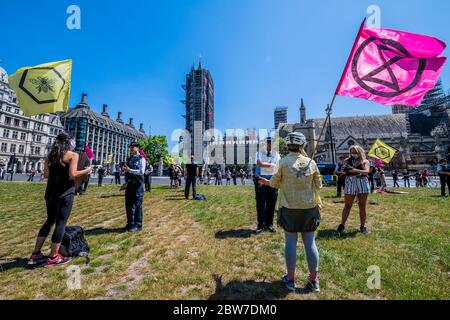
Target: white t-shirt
(273,157)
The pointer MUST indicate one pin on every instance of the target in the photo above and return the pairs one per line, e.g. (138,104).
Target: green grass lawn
(207,250)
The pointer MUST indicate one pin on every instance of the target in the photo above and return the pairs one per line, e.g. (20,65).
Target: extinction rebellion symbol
(397,52)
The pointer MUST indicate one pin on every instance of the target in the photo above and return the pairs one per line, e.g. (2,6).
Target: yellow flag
(44,88)
(382,151)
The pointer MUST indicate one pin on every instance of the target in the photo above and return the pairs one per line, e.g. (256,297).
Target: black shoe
(128,227)
(363,230)
(136,229)
(258,230)
(313,286)
(271,229)
(340,229)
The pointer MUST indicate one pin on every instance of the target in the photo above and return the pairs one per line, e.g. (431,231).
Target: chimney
(130,123)
(83,103)
(105,110)
(119,117)
(141,127)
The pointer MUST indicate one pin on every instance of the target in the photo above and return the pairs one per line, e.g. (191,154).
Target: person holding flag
(61,166)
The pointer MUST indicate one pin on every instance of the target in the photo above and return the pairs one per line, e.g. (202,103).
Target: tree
(283,147)
(155,147)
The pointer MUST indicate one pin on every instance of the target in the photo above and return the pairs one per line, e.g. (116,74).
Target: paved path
(165,180)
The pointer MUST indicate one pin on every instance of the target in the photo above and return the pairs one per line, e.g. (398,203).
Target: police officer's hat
(134,144)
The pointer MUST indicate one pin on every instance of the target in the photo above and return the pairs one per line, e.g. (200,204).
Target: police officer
(266,197)
(134,175)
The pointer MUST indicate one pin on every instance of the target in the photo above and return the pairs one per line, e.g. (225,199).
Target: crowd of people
(295,179)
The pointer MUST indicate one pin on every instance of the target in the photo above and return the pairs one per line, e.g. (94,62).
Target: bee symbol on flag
(43,84)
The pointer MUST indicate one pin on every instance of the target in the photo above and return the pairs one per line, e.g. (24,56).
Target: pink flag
(142,153)
(89,153)
(392,67)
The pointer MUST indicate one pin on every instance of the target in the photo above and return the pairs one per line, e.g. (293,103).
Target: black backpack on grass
(74,244)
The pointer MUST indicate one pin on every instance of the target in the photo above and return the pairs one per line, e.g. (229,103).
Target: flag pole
(330,108)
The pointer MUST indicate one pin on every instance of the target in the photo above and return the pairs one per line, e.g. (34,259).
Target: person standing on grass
(31,175)
(117,175)
(380,173)
(266,196)
(395,177)
(62,163)
(148,177)
(234,176)
(228,176)
(406,176)
(356,185)
(191,173)
(443,170)
(299,181)
(101,175)
(243,176)
(424,177)
(371,177)
(341,176)
(134,194)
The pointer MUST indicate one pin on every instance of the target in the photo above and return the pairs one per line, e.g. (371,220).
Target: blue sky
(134,55)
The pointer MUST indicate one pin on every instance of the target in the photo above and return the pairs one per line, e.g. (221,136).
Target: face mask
(72,145)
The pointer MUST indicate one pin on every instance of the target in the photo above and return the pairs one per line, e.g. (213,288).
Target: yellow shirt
(299,181)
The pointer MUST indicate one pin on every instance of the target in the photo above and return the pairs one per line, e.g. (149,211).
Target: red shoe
(36,258)
(57,260)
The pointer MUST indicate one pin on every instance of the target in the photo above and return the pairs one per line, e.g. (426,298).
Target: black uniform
(134,193)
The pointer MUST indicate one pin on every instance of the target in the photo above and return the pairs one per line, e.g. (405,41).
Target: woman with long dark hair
(62,165)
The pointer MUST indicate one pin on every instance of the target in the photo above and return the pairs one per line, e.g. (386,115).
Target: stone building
(422,137)
(108,138)
(28,139)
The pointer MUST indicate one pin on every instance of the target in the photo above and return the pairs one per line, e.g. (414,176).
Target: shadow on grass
(175,198)
(251,290)
(112,196)
(100,231)
(331,233)
(239,233)
(15,263)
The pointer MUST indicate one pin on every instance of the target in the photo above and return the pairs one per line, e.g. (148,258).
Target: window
(1,95)
(17,111)
(12,148)
(21,149)
(16,122)
(51,131)
(38,151)
(38,138)
(6,133)
(8,108)
(31,150)
(8,120)
(23,136)
(25,124)
(4,146)
(15,135)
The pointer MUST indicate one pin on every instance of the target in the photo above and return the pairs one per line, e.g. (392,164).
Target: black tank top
(59,183)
